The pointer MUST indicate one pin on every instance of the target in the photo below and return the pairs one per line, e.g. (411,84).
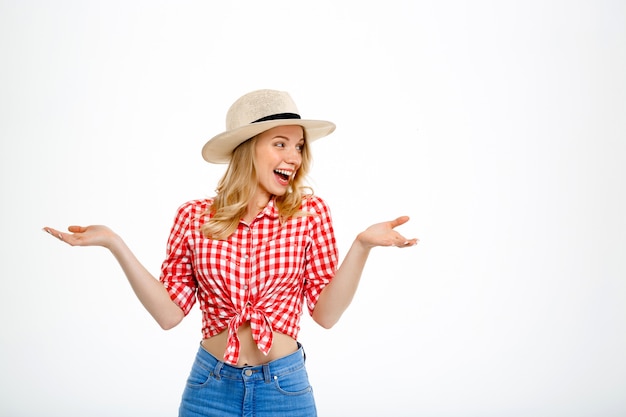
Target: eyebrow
(285,137)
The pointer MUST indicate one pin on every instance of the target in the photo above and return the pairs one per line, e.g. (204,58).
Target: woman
(251,256)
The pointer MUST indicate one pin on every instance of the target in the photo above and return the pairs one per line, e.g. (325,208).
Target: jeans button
(247,372)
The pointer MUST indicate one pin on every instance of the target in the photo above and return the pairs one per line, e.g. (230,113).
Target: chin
(280,193)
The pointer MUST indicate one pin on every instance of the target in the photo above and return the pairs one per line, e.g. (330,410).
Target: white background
(498,126)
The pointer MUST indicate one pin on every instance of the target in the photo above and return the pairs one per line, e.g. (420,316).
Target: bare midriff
(249,353)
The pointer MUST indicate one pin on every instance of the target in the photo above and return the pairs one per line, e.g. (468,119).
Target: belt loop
(267,374)
(218,370)
(303,352)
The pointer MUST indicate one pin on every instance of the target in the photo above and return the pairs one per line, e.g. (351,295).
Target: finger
(399,221)
(53,232)
(405,243)
(399,240)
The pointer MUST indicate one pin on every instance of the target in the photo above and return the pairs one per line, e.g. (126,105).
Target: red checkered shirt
(262,273)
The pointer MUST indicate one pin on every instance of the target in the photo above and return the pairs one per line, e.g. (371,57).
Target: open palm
(384,234)
(85,236)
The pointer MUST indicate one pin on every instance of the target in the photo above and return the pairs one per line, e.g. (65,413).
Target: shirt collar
(270,210)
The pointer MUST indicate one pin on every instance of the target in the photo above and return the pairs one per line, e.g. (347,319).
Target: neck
(255,206)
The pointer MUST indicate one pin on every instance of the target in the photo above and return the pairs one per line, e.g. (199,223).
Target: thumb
(399,221)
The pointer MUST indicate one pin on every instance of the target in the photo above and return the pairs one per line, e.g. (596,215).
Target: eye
(300,147)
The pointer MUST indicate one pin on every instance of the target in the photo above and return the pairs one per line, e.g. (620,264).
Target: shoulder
(194,207)
(315,205)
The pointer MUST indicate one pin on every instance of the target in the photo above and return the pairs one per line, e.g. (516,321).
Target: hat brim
(218,150)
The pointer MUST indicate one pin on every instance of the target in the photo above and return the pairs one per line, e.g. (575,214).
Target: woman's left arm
(338,294)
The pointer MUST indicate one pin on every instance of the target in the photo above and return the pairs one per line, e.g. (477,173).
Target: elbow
(325,322)
(326,325)
(168,325)
(170,321)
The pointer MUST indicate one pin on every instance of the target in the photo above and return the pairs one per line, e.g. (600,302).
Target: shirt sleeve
(322,256)
(177,273)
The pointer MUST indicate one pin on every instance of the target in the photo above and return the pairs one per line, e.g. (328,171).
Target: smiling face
(278,155)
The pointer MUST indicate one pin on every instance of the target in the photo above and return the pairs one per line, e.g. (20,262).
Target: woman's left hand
(383,234)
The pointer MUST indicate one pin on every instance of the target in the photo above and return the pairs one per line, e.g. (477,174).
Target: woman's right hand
(85,236)
(150,291)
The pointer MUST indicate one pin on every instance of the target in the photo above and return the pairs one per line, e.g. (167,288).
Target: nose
(293,156)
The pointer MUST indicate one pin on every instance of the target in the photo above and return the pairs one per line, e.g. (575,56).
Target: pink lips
(283,176)
(282,180)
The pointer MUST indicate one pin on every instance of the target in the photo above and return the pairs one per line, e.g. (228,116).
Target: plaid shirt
(262,273)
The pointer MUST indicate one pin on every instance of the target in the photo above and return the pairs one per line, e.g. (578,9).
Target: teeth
(283,172)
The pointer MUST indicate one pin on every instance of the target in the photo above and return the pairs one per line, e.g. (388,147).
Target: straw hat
(255,113)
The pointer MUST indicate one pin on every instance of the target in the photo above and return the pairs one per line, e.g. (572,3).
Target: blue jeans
(278,388)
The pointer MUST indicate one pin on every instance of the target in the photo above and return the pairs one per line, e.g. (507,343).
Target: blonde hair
(238,185)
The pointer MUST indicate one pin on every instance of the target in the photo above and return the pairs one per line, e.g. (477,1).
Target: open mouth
(283,176)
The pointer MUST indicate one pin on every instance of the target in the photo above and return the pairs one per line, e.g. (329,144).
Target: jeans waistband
(268,371)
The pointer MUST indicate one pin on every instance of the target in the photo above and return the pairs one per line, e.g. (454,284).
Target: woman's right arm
(150,291)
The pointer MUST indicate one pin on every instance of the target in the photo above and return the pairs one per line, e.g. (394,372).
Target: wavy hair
(238,185)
